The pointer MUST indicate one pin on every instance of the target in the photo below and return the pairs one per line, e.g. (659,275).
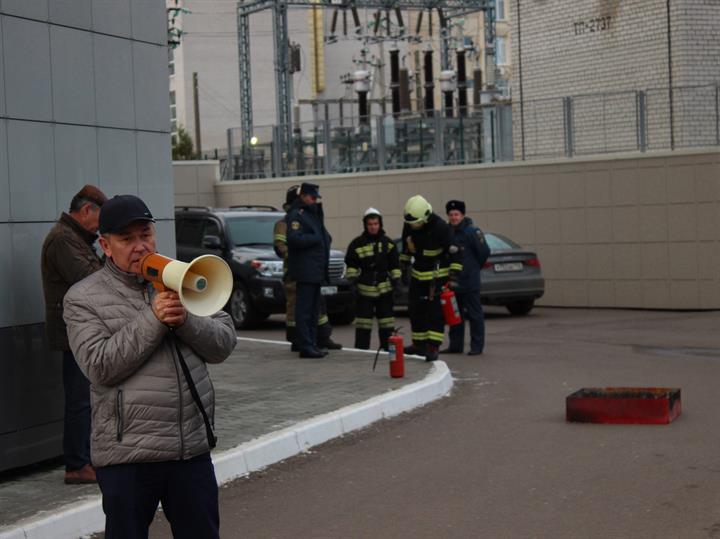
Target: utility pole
(196,108)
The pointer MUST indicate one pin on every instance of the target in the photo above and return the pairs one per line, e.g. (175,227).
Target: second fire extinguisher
(450,308)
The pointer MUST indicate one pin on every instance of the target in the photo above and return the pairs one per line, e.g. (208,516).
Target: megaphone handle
(159,287)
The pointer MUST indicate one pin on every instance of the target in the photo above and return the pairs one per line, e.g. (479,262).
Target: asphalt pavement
(497,460)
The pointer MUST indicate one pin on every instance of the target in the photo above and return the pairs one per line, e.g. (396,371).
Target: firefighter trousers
(368,308)
(426,316)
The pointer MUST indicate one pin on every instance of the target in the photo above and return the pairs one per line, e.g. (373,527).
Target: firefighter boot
(362,338)
(384,336)
(417,348)
(291,337)
(432,352)
(324,338)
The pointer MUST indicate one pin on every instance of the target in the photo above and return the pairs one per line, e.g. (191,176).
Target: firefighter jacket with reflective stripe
(373,261)
(432,251)
(474,252)
(308,244)
(280,243)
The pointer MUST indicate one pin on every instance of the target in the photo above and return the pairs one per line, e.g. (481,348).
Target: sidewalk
(270,406)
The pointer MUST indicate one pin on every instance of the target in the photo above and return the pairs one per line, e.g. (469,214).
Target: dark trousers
(472,311)
(187,490)
(366,309)
(426,316)
(307,305)
(324,329)
(76,433)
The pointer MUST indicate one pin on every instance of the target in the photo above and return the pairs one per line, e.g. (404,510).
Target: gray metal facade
(83,99)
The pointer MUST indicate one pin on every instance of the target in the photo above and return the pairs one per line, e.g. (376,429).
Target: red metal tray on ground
(633,405)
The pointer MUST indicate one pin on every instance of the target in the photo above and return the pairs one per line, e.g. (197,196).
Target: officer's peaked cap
(310,189)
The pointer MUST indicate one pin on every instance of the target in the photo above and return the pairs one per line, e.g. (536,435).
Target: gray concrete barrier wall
(618,231)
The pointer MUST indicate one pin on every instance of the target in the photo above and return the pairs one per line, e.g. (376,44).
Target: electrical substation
(415,117)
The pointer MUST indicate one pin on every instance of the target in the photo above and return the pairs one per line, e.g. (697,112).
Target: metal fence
(346,145)
(579,125)
(643,120)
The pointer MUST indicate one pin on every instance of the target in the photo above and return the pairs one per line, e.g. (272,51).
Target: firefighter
(474,252)
(324,329)
(427,241)
(373,268)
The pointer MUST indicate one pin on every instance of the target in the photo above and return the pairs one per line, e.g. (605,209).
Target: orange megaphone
(204,285)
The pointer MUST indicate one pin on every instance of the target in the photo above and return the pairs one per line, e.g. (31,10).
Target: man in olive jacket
(151,438)
(68,256)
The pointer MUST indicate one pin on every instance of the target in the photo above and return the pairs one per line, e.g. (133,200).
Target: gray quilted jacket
(142,409)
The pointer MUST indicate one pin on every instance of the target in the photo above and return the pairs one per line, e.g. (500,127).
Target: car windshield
(499,243)
(251,230)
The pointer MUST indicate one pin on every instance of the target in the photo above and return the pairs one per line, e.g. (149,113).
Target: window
(499,243)
(189,232)
(501,50)
(172,97)
(251,230)
(500,10)
(212,228)
(171,60)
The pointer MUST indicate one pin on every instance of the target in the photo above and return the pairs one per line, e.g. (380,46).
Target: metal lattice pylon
(448,9)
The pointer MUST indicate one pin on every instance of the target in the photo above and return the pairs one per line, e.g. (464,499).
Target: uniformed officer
(474,251)
(427,241)
(308,260)
(373,266)
(324,329)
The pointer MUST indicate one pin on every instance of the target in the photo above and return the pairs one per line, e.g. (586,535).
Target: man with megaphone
(145,354)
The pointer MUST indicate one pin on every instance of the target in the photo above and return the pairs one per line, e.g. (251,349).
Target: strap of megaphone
(212,439)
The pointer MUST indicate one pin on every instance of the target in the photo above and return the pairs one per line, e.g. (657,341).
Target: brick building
(602,53)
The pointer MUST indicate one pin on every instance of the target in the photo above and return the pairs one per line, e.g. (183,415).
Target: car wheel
(240,308)
(520,308)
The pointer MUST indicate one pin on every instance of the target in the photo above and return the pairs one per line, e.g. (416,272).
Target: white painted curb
(85,518)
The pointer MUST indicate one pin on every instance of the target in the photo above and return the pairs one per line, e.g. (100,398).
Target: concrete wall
(627,231)
(83,99)
(195,182)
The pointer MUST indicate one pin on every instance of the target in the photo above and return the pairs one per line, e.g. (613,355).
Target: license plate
(328,290)
(508,266)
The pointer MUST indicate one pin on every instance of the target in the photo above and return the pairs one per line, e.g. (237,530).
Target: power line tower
(446,9)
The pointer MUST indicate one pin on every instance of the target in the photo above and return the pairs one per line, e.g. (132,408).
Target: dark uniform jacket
(430,247)
(67,257)
(373,261)
(308,244)
(474,252)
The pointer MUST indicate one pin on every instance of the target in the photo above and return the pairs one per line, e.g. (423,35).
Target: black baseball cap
(310,189)
(120,211)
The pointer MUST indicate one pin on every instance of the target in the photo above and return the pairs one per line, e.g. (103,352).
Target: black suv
(243,237)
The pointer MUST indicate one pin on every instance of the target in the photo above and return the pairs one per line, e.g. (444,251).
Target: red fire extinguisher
(449,305)
(396,353)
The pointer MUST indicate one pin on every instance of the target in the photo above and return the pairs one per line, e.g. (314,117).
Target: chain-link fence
(346,145)
(580,125)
